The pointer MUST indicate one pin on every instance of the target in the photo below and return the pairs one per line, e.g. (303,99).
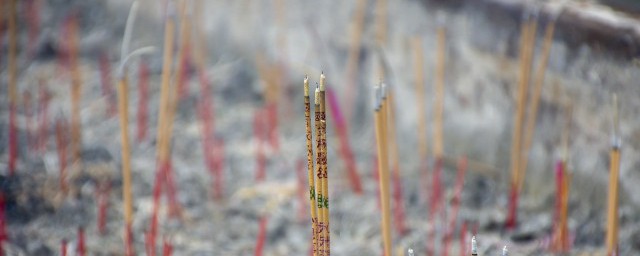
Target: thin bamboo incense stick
(320,224)
(262,236)
(438,148)
(614,169)
(312,188)
(535,100)
(418,61)
(123,106)
(12,90)
(353,59)
(76,90)
(325,175)
(564,209)
(395,164)
(383,169)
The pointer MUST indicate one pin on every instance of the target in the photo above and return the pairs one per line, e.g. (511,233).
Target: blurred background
(236,182)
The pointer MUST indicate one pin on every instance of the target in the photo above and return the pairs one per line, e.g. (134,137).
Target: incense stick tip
(322,85)
(474,246)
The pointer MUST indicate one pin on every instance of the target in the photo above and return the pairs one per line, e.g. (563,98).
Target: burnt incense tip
(322,85)
(474,246)
(505,252)
(317,95)
(306,86)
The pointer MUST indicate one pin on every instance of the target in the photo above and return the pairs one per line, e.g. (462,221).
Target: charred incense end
(474,246)
(322,85)
(306,86)
(505,252)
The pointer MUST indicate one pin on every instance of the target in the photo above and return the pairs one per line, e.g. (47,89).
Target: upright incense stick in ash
(614,170)
(345,147)
(123,106)
(76,89)
(438,147)
(383,165)
(535,99)
(312,188)
(527,42)
(262,236)
(13,94)
(320,224)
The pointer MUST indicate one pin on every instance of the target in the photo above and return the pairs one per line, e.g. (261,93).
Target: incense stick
(438,147)
(76,90)
(12,90)
(418,61)
(614,170)
(123,107)
(383,169)
(320,224)
(535,100)
(324,178)
(143,101)
(312,188)
(395,164)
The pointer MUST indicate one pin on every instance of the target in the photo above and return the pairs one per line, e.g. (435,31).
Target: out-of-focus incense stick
(123,106)
(418,64)
(143,100)
(614,170)
(12,90)
(353,59)
(535,100)
(324,177)
(395,164)
(438,147)
(312,188)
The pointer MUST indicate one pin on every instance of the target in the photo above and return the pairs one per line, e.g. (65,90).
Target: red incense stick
(262,235)
(167,247)
(462,168)
(345,148)
(63,247)
(3,222)
(102,195)
(434,203)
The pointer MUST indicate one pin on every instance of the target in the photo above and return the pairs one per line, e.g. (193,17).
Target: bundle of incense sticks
(345,148)
(61,142)
(395,164)
(143,100)
(43,116)
(258,130)
(105,79)
(527,43)
(535,99)
(12,90)
(310,173)
(380,119)
(614,170)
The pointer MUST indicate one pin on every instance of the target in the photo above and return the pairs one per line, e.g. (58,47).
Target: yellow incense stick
(535,100)
(354,52)
(564,207)
(123,107)
(320,224)
(312,189)
(76,92)
(614,169)
(325,175)
(383,171)
(419,90)
(438,147)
